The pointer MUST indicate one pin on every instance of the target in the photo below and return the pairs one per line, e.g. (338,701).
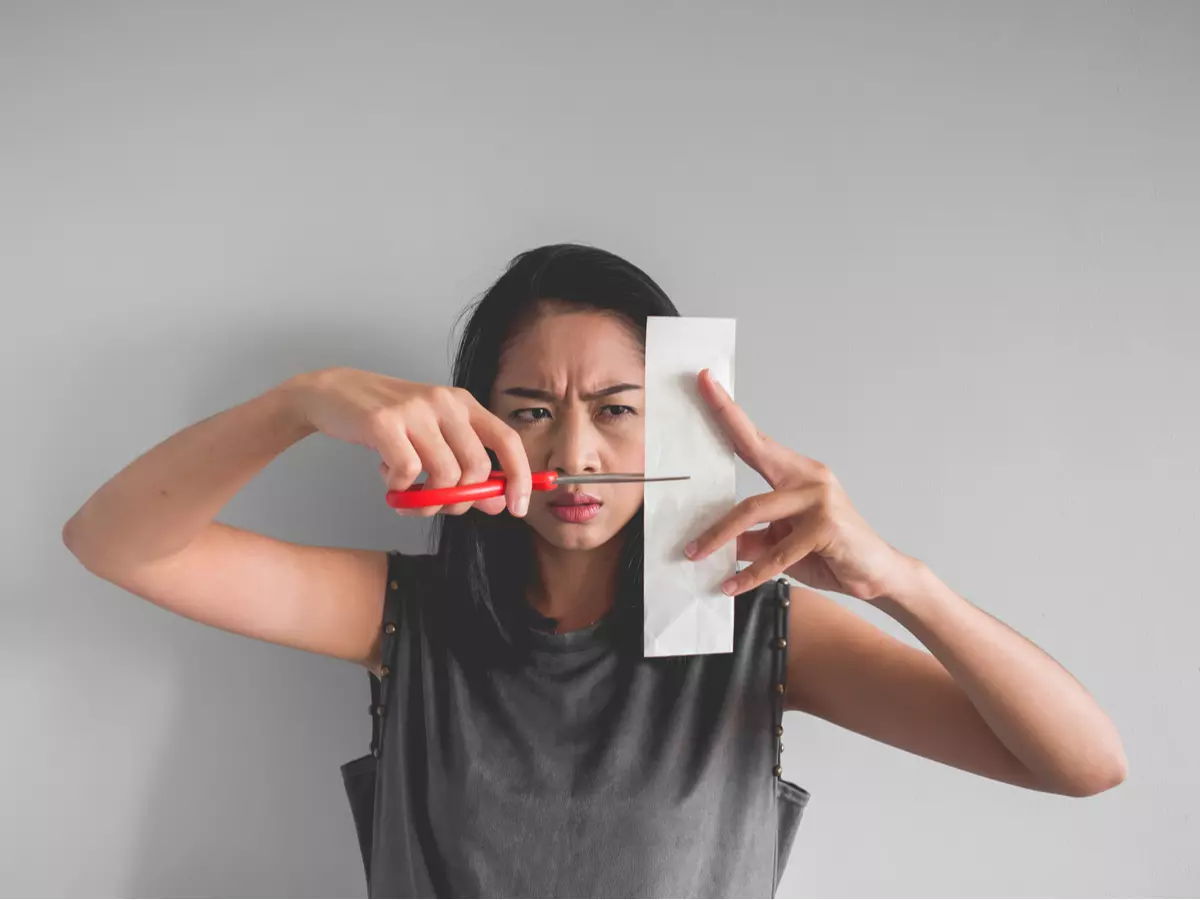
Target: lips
(574,499)
(575,508)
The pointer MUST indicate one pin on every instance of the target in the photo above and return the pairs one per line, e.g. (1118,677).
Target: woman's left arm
(987,700)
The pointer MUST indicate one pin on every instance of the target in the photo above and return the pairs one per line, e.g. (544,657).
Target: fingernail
(522,504)
(690,550)
(728,587)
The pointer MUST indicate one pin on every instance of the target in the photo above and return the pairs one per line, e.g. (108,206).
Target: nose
(574,446)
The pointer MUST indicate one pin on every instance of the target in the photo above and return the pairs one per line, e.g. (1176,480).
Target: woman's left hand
(813,533)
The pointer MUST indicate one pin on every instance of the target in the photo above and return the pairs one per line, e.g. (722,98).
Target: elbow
(75,538)
(71,537)
(1112,775)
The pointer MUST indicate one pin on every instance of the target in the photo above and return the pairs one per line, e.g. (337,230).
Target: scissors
(419,496)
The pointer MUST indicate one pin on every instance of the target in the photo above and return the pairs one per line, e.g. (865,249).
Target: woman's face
(571,386)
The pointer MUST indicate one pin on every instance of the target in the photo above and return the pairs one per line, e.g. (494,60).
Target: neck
(575,587)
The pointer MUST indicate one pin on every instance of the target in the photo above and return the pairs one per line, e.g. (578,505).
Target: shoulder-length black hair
(486,561)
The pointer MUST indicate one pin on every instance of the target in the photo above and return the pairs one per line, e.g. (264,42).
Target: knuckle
(397,418)
(445,400)
(757,503)
(408,468)
(383,419)
(478,470)
(462,396)
(411,404)
(445,472)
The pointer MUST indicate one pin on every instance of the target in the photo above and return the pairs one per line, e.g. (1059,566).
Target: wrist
(290,399)
(913,588)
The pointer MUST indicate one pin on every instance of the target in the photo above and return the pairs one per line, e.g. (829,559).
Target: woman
(525,746)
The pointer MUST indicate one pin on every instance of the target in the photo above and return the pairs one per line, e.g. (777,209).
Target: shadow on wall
(245,797)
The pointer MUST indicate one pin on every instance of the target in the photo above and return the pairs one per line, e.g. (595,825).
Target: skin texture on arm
(984,698)
(1011,714)
(326,600)
(151,530)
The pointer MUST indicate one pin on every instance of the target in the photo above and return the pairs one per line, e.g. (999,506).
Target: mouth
(575,508)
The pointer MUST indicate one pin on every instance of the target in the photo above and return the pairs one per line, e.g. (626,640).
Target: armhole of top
(782,601)
(790,798)
(399,577)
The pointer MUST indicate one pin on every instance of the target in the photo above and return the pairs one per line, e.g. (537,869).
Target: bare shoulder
(326,600)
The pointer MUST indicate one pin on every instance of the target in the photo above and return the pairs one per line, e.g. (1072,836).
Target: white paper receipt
(685,611)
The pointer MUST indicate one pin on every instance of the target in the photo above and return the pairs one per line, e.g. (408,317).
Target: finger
(472,457)
(772,563)
(493,506)
(437,459)
(400,465)
(752,544)
(761,509)
(482,466)
(510,453)
(386,473)
(748,442)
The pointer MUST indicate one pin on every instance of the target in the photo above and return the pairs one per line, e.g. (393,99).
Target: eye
(532,414)
(615,411)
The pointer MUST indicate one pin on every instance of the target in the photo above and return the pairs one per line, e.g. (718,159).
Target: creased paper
(685,611)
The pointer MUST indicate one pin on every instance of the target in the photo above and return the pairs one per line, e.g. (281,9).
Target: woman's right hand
(416,428)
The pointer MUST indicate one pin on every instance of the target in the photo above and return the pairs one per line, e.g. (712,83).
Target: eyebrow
(535,394)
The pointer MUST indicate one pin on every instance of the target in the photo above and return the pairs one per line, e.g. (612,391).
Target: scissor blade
(616,478)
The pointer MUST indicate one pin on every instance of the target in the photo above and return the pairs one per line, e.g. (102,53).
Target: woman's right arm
(151,528)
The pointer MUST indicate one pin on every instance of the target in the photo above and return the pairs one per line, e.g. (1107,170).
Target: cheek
(629,501)
(535,444)
(628,451)
(636,459)
(629,455)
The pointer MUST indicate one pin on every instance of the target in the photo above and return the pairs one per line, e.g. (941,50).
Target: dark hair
(486,561)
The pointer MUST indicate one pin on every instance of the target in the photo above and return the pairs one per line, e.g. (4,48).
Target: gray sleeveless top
(588,771)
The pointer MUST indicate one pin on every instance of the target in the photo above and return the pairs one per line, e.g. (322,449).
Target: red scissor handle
(418,496)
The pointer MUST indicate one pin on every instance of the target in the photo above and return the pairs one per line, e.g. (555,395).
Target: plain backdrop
(961,241)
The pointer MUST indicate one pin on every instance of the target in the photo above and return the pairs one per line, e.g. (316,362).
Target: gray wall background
(961,241)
